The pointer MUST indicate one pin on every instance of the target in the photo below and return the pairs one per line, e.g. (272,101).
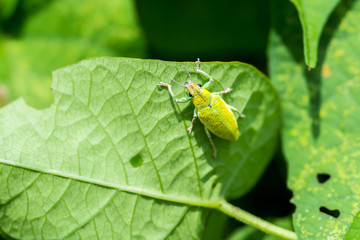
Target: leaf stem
(254,221)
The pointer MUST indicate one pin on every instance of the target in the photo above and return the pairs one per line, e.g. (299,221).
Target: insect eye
(190,95)
(199,85)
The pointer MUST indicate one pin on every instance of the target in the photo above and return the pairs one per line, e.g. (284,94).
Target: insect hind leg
(236,110)
(211,142)
(223,92)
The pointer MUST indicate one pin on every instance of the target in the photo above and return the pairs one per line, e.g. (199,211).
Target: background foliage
(319,133)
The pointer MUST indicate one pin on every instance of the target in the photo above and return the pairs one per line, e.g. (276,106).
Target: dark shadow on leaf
(314,76)
(287,26)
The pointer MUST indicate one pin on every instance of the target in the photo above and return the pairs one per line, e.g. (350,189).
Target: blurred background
(39,36)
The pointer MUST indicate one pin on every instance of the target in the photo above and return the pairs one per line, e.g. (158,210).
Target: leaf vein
(142,133)
(132,217)
(92,217)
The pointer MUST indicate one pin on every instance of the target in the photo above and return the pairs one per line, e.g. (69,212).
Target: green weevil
(214,113)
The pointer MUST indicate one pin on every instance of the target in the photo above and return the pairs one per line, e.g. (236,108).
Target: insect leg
(236,110)
(211,142)
(178,100)
(223,92)
(211,80)
(192,122)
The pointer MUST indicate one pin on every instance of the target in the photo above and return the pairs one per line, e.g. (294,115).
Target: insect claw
(214,153)
(198,64)
(189,129)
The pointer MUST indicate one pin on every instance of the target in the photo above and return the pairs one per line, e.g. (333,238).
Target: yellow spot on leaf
(304,100)
(283,77)
(294,132)
(322,113)
(303,141)
(338,53)
(354,70)
(326,71)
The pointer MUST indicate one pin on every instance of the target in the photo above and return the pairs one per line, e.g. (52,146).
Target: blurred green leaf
(111,158)
(250,233)
(320,120)
(46,35)
(313,15)
(214,225)
(28,64)
(113,24)
(354,231)
(7,7)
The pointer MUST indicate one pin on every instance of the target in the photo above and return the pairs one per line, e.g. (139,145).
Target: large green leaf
(313,15)
(320,116)
(46,35)
(112,158)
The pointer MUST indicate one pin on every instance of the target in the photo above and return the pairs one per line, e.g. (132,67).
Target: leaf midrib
(129,189)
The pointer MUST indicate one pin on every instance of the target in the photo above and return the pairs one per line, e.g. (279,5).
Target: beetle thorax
(203,99)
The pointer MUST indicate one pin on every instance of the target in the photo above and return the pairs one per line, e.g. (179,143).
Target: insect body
(215,114)
(211,109)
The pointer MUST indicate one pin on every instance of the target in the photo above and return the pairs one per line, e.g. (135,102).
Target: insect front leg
(211,80)
(223,92)
(178,100)
(211,142)
(192,122)
(236,110)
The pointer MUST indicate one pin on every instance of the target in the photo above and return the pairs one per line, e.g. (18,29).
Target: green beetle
(210,108)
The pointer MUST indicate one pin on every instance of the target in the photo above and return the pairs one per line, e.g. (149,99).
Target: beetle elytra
(214,113)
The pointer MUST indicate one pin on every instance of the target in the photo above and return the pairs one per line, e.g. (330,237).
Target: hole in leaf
(136,161)
(323,177)
(334,213)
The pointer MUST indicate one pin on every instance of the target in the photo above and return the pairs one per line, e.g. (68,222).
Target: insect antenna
(178,83)
(187,72)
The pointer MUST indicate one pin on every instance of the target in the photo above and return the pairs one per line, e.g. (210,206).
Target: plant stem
(254,221)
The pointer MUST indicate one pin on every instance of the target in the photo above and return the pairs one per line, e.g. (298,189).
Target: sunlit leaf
(111,158)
